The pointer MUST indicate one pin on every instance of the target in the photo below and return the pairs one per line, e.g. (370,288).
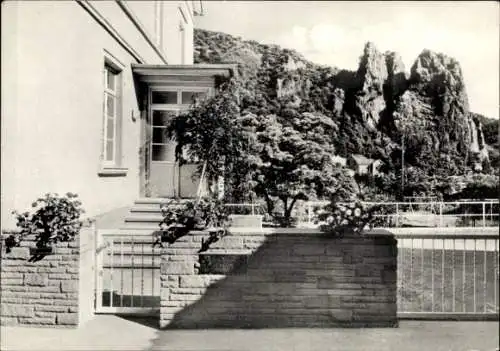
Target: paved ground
(115,333)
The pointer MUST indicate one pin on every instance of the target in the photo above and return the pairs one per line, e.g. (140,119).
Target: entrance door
(167,178)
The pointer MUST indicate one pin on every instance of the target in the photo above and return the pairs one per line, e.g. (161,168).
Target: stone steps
(145,214)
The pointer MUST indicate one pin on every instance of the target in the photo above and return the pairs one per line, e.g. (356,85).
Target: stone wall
(44,291)
(294,278)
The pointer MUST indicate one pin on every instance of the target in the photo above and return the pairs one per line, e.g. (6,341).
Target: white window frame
(114,95)
(179,90)
(113,165)
(177,108)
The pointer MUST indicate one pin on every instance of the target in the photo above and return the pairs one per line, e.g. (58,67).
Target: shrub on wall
(53,219)
(179,219)
(341,219)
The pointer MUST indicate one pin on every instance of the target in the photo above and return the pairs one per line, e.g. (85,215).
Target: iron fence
(448,275)
(419,214)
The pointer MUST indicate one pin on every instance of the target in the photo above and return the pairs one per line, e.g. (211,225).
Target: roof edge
(211,69)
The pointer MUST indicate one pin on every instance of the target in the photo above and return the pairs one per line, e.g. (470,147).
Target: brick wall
(43,292)
(289,279)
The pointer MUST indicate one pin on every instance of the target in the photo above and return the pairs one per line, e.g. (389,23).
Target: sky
(334,33)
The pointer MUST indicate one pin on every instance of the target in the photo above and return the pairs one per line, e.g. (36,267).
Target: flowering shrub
(353,218)
(55,219)
(181,218)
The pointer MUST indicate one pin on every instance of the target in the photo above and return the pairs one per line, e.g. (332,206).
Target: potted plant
(53,219)
(339,219)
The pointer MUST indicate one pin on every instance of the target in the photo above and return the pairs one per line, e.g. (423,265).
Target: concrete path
(108,332)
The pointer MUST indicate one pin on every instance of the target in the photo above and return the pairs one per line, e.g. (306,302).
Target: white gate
(128,272)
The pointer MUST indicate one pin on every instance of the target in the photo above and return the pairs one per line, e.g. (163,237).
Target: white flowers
(343,218)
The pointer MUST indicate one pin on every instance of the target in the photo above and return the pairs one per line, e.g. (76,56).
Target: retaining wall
(47,291)
(302,278)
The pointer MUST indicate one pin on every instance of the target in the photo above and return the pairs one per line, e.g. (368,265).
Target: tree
(285,157)
(481,186)
(294,161)
(212,132)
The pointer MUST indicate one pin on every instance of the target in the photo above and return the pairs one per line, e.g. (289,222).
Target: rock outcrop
(436,85)
(382,79)
(373,106)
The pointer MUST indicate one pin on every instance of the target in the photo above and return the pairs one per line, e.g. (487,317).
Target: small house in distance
(339,161)
(362,165)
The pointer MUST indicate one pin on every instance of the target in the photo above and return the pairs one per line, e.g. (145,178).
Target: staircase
(145,214)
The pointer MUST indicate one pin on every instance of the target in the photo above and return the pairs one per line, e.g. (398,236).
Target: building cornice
(110,29)
(190,9)
(116,35)
(133,18)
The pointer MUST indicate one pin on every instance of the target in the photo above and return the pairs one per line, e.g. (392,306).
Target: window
(164,97)
(163,149)
(182,98)
(110,114)
(111,140)
(188,97)
(166,103)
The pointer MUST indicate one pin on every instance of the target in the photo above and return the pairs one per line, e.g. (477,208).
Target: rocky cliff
(372,107)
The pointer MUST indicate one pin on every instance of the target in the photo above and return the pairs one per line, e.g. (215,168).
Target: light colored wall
(174,15)
(52,104)
(362,169)
(146,13)
(87,267)
(173,37)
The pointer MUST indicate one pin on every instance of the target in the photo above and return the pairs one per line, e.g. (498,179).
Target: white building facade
(87,87)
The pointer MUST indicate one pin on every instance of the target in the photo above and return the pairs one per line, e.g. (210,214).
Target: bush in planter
(351,219)
(54,219)
(179,219)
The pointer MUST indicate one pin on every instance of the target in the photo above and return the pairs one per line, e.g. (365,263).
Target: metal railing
(443,273)
(448,274)
(245,208)
(421,214)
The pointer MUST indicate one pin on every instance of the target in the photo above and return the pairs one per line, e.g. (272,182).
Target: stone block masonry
(43,292)
(289,278)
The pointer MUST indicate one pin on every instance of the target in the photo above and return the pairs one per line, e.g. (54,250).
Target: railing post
(397,215)
(441,219)
(309,214)
(484,214)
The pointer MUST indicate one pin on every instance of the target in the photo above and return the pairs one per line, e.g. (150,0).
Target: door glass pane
(164,97)
(110,105)
(163,152)
(110,128)
(162,118)
(110,79)
(189,96)
(160,136)
(109,150)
